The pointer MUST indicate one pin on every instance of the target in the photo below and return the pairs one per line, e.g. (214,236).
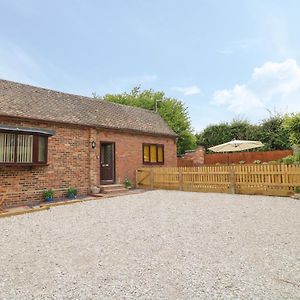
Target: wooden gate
(279,179)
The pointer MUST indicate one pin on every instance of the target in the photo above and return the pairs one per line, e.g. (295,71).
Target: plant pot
(48,199)
(72,196)
(95,190)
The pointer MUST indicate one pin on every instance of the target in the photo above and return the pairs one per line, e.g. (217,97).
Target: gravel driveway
(159,244)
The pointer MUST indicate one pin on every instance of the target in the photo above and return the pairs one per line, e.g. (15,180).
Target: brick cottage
(54,140)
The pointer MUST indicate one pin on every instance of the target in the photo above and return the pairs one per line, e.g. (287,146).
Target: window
(17,148)
(42,150)
(7,147)
(153,154)
(24,148)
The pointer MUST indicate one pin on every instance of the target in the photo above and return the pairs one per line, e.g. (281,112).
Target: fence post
(231,180)
(180,179)
(136,179)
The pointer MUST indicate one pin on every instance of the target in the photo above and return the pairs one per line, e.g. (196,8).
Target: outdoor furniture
(235,146)
(2,199)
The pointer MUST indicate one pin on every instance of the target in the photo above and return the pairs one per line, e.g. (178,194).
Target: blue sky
(224,59)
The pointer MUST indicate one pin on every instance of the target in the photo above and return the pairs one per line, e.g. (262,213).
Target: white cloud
(238,100)
(277,78)
(187,90)
(271,86)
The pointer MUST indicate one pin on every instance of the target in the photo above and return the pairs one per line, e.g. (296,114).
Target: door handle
(105,165)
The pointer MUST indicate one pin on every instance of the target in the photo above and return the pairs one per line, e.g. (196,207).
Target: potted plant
(127,183)
(95,190)
(297,192)
(72,193)
(48,195)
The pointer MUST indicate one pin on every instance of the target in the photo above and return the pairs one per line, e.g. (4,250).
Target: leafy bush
(297,189)
(241,162)
(297,157)
(289,160)
(48,194)
(257,162)
(292,159)
(292,125)
(72,192)
(272,133)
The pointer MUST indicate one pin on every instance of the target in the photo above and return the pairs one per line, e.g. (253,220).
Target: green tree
(173,111)
(214,135)
(221,133)
(292,125)
(272,133)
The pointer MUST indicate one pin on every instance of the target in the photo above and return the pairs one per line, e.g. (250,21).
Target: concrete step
(115,191)
(111,187)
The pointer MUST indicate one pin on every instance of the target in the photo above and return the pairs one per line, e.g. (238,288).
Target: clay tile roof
(25,101)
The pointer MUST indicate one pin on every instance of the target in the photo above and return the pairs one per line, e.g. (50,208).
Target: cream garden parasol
(236,145)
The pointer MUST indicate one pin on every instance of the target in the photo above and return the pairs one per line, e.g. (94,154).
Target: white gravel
(159,244)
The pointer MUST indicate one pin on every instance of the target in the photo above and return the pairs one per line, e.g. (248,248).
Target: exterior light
(93,144)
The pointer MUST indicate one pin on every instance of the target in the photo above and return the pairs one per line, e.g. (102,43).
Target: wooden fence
(278,179)
(248,157)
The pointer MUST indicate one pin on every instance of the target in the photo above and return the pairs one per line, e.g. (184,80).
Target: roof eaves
(173,135)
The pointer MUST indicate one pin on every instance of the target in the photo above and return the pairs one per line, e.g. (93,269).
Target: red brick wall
(182,162)
(68,165)
(72,161)
(192,158)
(129,152)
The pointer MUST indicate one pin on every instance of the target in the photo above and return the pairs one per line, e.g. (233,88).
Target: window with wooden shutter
(146,153)
(153,154)
(160,154)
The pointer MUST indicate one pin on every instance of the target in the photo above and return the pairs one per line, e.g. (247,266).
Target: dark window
(153,154)
(42,149)
(17,148)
